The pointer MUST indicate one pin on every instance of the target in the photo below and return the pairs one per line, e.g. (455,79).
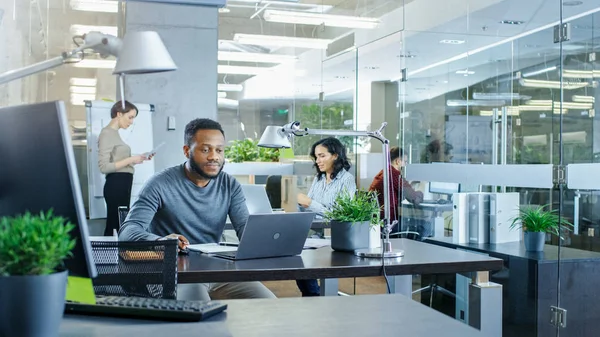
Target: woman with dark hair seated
(332,178)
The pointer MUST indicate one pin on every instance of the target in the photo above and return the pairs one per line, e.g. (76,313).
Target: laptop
(271,235)
(257,200)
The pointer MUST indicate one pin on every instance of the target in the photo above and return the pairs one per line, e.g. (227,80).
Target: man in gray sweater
(190,202)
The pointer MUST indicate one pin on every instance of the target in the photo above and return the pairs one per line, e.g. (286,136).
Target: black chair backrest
(140,268)
(122,212)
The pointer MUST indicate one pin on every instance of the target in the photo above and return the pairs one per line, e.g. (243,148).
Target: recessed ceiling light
(512,22)
(452,41)
(572,3)
(465,72)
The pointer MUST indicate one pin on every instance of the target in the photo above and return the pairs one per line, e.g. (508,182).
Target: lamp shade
(274,137)
(142,53)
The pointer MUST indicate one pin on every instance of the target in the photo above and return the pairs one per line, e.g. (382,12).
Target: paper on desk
(316,243)
(209,248)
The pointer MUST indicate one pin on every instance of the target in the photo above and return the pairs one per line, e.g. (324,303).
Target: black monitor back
(38,173)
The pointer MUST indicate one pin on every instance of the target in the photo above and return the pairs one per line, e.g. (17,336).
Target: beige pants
(222,291)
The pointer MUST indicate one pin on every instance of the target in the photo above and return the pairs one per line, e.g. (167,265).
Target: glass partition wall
(506,102)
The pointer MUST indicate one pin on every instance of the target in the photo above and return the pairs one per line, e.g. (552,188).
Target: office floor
(361,286)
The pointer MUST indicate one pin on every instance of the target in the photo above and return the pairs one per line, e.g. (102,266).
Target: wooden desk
(354,316)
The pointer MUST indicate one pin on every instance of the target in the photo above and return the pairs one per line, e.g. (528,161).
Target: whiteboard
(138,136)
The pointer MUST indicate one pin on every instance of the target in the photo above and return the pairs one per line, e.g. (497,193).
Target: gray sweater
(171,203)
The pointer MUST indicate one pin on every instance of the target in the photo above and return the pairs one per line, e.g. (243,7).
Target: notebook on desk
(268,235)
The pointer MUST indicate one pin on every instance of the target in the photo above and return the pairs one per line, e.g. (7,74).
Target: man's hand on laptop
(183,242)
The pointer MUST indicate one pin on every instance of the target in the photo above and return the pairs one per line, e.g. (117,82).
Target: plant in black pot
(536,221)
(33,279)
(351,218)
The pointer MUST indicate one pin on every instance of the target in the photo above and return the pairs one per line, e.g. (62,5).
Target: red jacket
(396,194)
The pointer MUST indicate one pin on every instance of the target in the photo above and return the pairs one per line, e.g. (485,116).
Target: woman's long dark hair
(333,146)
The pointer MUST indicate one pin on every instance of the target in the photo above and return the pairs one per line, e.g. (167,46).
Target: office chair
(139,268)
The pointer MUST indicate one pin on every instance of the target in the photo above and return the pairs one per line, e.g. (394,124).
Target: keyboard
(148,308)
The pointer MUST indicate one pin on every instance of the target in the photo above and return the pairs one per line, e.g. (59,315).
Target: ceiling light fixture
(239,70)
(556,84)
(282,41)
(230,87)
(581,73)
(317,19)
(538,72)
(227,103)
(452,41)
(83,82)
(465,72)
(255,57)
(512,22)
(572,3)
(82,90)
(105,6)
(584,99)
(221,94)
(499,95)
(474,102)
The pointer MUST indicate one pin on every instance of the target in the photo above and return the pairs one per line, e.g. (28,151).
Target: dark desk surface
(419,258)
(517,249)
(352,316)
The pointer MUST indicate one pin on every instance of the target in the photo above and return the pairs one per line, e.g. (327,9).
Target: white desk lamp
(137,53)
(280,136)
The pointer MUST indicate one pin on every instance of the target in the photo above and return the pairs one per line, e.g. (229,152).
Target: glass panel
(483,91)
(577,202)
(35,31)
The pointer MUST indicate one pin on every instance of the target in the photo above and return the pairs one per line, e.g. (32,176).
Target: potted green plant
(247,150)
(536,221)
(33,279)
(351,219)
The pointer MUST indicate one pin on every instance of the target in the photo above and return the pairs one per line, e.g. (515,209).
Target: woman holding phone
(116,162)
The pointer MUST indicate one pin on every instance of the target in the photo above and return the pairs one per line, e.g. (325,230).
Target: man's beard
(198,170)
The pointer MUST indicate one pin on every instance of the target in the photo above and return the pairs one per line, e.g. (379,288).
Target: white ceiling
(490,48)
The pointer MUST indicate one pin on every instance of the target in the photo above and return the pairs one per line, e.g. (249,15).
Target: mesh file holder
(136,268)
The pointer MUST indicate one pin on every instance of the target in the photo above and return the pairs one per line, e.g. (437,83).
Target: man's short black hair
(200,124)
(395,153)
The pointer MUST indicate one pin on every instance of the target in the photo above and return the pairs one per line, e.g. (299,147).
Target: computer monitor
(38,173)
(443,188)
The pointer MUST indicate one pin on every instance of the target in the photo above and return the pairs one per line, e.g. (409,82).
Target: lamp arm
(31,69)
(102,43)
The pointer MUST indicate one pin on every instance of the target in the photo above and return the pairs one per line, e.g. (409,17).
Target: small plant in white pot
(535,222)
(351,218)
(33,279)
